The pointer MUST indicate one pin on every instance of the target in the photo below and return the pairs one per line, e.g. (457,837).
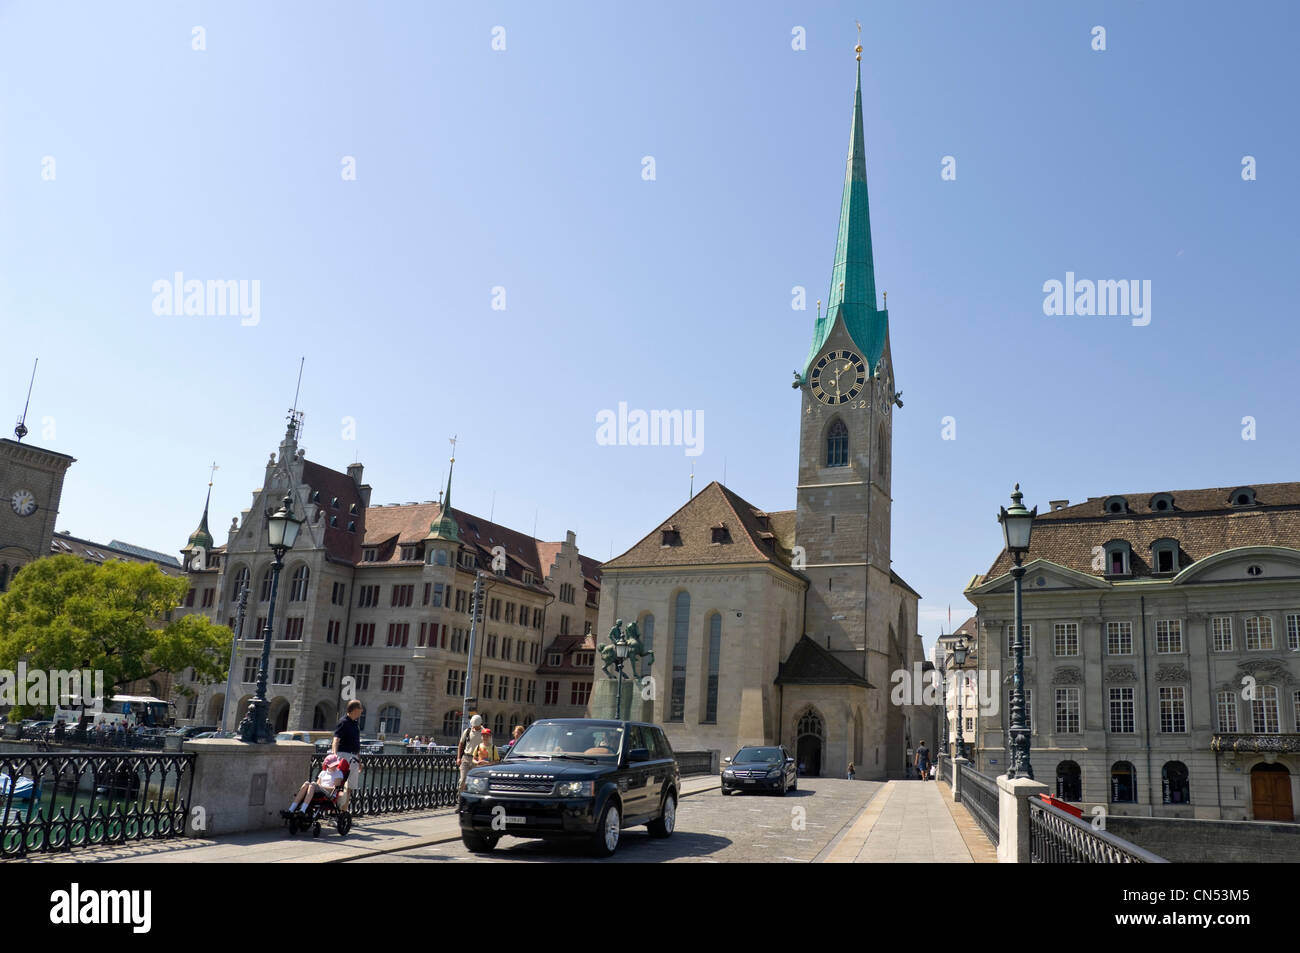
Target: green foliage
(63,613)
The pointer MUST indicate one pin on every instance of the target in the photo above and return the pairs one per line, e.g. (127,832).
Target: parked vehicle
(760,768)
(574,779)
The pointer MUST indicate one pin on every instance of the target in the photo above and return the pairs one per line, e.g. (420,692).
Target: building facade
(1162,656)
(960,688)
(31,485)
(789,627)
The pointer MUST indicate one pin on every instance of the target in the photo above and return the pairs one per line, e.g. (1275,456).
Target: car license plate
(515,819)
(750,781)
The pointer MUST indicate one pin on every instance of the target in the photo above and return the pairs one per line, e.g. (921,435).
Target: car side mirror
(789,760)
(638,754)
(726,761)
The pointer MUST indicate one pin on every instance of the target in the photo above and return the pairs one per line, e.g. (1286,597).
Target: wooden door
(1270,788)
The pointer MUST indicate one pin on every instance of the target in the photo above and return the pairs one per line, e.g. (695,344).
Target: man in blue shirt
(347,744)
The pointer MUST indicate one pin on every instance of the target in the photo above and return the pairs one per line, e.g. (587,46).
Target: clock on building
(23,502)
(837,377)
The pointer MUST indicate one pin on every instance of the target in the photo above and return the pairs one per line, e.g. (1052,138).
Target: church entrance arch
(810,740)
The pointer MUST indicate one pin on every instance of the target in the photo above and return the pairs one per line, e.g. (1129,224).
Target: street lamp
(282,532)
(1017,526)
(959,652)
(621,649)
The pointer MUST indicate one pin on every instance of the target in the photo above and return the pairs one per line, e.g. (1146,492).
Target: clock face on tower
(837,377)
(23,502)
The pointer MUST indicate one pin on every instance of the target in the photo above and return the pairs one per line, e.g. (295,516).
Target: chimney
(354,471)
(1058,504)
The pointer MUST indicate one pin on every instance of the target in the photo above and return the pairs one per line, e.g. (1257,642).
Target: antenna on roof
(295,416)
(20,431)
(692,496)
(493,508)
(535,523)
(724,471)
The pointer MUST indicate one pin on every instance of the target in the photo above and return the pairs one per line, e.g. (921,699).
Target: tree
(61,613)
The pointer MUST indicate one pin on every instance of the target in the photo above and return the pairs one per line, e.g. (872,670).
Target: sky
(496,221)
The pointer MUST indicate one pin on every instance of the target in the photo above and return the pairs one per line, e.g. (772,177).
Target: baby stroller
(323,807)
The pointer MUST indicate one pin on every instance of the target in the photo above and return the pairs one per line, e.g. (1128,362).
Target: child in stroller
(318,800)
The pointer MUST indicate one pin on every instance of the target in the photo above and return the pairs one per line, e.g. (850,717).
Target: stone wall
(1200,841)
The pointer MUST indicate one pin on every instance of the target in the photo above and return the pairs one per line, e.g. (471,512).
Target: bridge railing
(392,783)
(1056,837)
(979,793)
(52,802)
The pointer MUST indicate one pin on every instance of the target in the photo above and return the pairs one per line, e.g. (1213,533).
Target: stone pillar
(604,699)
(242,787)
(1013,817)
(956,777)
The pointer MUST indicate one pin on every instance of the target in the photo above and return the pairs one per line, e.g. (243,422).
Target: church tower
(847,395)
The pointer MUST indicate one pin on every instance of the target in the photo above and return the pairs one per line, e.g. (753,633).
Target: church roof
(810,664)
(853,279)
(328,485)
(686,538)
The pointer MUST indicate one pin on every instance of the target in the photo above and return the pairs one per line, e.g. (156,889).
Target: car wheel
(605,840)
(664,825)
(794,785)
(784,785)
(478,843)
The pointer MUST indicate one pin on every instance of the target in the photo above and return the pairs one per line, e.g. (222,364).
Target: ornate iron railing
(76,738)
(694,762)
(1056,837)
(62,802)
(1250,743)
(979,793)
(391,783)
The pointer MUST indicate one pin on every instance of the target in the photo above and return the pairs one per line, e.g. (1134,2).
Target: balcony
(1255,744)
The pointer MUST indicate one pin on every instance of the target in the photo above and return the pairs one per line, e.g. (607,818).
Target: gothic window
(681,646)
(881,462)
(390,720)
(241,580)
(264,591)
(298,590)
(810,724)
(451,723)
(837,444)
(715,658)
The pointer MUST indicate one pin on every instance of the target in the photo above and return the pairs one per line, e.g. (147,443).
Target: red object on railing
(1065,806)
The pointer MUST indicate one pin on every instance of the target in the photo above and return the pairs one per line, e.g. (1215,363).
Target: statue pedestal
(604,700)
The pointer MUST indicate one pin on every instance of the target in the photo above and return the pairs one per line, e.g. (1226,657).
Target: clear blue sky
(522,168)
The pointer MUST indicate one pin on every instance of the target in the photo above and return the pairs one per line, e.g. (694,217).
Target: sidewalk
(370,837)
(911,822)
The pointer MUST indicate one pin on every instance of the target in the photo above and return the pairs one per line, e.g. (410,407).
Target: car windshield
(577,741)
(746,755)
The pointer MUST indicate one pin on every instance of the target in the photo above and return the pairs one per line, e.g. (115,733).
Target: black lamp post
(621,649)
(1017,526)
(282,532)
(959,652)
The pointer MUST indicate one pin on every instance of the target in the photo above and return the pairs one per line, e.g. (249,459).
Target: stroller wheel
(344,824)
(315,829)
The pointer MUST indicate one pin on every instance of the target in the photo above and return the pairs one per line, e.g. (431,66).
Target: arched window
(715,659)
(810,724)
(1175,783)
(499,729)
(241,580)
(390,720)
(440,557)
(1119,558)
(1069,781)
(4,576)
(881,463)
(837,444)
(1123,783)
(681,647)
(528,721)
(1164,555)
(451,723)
(298,589)
(321,717)
(264,590)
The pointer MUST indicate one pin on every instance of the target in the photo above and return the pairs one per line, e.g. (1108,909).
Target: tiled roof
(64,544)
(1203,522)
(755,536)
(331,485)
(810,664)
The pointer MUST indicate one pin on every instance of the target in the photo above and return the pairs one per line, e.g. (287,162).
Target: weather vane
(211,470)
(858,48)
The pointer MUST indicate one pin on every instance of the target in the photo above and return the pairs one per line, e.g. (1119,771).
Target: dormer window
(352,526)
(1114,505)
(1162,503)
(368,554)
(1119,558)
(408,553)
(529,578)
(334,521)
(671,536)
(335,503)
(721,534)
(315,497)
(1164,555)
(353,509)
(1242,496)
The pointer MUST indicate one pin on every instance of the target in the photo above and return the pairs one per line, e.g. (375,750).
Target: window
(1027,635)
(1121,711)
(1174,783)
(671,537)
(566,593)
(264,593)
(715,660)
(519,689)
(529,578)
(1069,781)
(402,596)
(327,675)
(364,634)
(503,690)
(1029,709)
(457,637)
(298,588)
(1119,638)
(339,594)
(681,652)
(283,674)
(510,613)
(489,684)
(1263,711)
(1116,504)
(209,596)
(519,651)
(494,609)
(192,706)
(837,445)
(1259,634)
(1293,631)
(532,691)
(189,599)
(1067,710)
(368,555)
(1242,496)
(437,595)
(398,634)
(491,646)
(293,628)
(1227,709)
(1169,636)
(260,631)
(970,724)
(408,553)
(367,597)
(721,534)
(498,726)
(552,696)
(564,624)
(1221,626)
(584,659)
(580,693)
(250,670)
(451,721)
(360,676)
(1173,710)
(392,679)
(455,682)
(505,648)
(241,580)
(1118,559)
(390,720)
(1067,638)
(1295,710)
(440,558)
(1123,783)
(1164,555)
(537,618)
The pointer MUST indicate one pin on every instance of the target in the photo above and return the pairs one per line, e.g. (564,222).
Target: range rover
(574,779)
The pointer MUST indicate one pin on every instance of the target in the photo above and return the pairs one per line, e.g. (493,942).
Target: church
(787,627)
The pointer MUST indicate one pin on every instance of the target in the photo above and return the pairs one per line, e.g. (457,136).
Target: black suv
(760,768)
(574,779)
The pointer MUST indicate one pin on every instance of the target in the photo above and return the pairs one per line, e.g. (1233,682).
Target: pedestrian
(850,770)
(347,742)
(465,747)
(486,752)
(923,761)
(518,732)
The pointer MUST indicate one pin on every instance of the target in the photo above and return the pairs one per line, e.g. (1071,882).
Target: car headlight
(475,785)
(729,773)
(573,789)
(774,773)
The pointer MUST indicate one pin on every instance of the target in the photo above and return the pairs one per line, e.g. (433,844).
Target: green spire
(853,280)
(201,536)
(445,526)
